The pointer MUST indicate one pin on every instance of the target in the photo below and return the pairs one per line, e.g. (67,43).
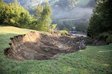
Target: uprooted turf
(93,60)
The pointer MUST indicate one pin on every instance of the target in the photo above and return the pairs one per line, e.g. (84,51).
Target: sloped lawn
(92,60)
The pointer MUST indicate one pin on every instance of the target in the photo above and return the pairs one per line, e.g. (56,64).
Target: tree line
(100,26)
(15,15)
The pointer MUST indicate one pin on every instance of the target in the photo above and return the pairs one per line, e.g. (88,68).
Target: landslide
(41,46)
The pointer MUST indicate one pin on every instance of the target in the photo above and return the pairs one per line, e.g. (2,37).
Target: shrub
(14,14)
(63,32)
(109,39)
(103,36)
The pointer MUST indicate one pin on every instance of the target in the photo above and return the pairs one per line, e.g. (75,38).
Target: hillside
(60,8)
(92,60)
(76,12)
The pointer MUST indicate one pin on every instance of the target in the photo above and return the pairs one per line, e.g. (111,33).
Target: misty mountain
(60,10)
(83,8)
(79,11)
(70,17)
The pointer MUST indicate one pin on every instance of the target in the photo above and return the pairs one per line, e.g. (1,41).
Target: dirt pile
(40,46)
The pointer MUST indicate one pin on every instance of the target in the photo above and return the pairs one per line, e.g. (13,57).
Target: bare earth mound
(40,46)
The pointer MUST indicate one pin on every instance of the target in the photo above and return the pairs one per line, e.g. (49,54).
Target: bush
(52,28)
(103,36)
(63,32)
(14,14)
(109,39)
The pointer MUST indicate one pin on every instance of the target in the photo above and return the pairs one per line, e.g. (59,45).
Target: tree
(14,14)
(101,20)
(39,11)
(1,10)
(43,15)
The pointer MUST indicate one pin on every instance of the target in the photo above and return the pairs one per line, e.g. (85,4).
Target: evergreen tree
(101,20)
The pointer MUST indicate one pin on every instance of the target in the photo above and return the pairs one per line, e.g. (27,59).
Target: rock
(82,44)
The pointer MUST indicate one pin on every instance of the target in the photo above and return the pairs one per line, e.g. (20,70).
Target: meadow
(92,60)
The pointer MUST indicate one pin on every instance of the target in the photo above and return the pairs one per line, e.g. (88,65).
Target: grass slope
(93,60)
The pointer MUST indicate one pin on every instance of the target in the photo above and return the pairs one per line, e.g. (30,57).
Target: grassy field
(92,60)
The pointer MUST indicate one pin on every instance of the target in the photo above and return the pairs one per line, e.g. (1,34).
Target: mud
(41,46)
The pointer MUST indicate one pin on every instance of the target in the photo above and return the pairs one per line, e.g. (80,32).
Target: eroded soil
(40,46)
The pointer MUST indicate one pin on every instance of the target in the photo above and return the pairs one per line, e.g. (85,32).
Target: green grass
(93,60)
